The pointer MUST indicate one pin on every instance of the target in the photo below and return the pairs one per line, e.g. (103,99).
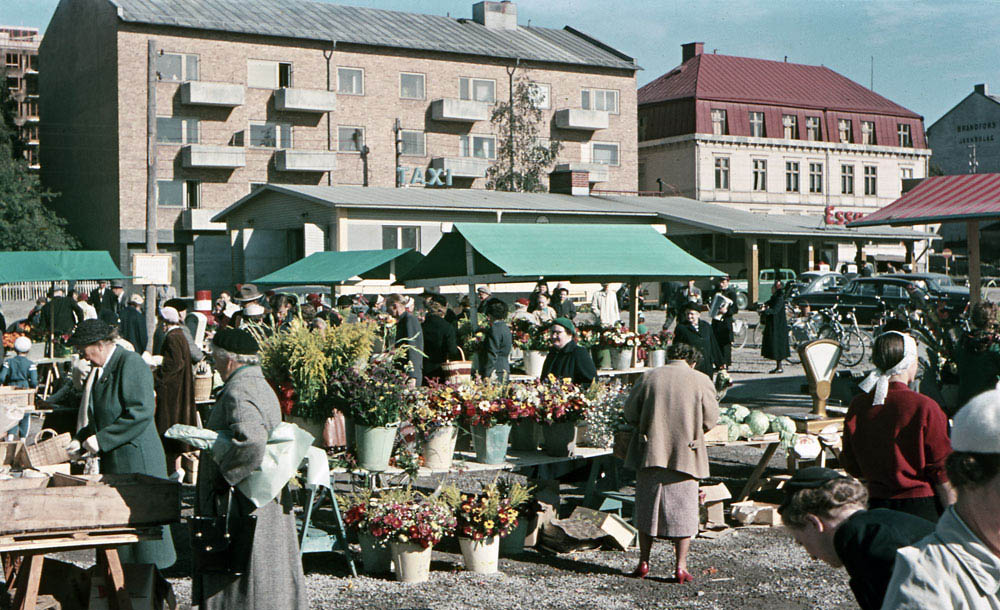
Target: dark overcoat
(174,382)
(774,344)
(570,361)
(702,339)
(495,352)
(133,328)
(121,415)
(440,344)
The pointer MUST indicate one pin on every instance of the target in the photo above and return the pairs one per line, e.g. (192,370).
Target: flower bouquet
(618,337)
(589,335)
(433,413)
(528,336)
(482,519)
(561,406)
(606,414)
(488,408)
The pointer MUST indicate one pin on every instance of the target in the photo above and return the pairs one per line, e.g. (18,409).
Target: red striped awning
(942,199)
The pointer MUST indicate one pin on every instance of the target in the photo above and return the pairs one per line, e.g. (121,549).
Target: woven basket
(202,387)
(48,448)
(457,370)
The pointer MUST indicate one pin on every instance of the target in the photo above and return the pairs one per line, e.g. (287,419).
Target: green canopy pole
(633,315)
(470,270)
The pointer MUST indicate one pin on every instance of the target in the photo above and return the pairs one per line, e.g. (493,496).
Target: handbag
(222,544)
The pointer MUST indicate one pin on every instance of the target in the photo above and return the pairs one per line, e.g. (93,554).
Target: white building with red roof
(771,136)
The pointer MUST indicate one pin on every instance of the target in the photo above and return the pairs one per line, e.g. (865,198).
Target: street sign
(946,253)
(151,269)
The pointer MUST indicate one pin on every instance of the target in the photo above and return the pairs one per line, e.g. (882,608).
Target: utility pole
(510,120)
(152,78)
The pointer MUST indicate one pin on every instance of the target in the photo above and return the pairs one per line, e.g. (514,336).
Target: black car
(939,286)
(867,296)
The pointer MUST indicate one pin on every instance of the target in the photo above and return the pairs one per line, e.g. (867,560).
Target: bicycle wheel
(740,331)
(852,348)
(793,343)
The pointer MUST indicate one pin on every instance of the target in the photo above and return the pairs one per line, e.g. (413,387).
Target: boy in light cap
(958,566)
(20,372)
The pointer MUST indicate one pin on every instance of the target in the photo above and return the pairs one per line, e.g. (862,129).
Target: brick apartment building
(296,92)
(19,47)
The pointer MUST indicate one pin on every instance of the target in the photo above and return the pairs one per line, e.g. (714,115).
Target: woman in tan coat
(670,409)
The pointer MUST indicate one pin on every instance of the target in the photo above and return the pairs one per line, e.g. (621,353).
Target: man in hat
(567,359)
(825,512)
(97,295)
(115,299)
(271,575)
(248,293)
(691,329)
(132,325)
(484,294)
(958,565)
(409,333)
(61,313)
(604,303)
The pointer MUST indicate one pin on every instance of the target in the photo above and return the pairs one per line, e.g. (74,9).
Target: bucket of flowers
(489,413)
(483,519)
(366,512)
(412,527)
(655,350)
(622,342)
(434,413)
(523,397)
(606,413)
(532,339)
(562,405)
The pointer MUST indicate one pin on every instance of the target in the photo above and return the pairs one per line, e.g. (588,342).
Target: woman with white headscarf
(895,439)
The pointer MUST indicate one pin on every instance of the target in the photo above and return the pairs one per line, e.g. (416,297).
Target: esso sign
(833,217)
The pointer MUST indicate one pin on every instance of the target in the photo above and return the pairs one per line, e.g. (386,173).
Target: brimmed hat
(117,284)
(248,292)
(89,332)
(136,298)
(169,314)
(253,309)
(565,323)
(236,341)
(976,426)
(691,305)
(484,290)
(178,304)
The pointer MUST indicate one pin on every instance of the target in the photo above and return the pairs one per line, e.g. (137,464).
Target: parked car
(864,295)
(765,282)
(819,281)
(939,286)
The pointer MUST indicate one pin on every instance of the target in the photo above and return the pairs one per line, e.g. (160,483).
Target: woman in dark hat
(567,358)
(119,425)
(774,345)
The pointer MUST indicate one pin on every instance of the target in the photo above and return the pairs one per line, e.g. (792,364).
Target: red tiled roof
(761,81)
(942,198)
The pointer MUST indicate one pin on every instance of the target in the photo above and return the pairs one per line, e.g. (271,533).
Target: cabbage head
(783,423)
(739,413)
(757,422)
(733,431)
(745,431)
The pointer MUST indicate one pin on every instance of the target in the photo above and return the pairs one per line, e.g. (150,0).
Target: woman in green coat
(119,424)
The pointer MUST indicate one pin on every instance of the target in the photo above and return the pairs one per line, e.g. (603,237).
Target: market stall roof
(516,252)
(342,267)
(941,199)
(57,265)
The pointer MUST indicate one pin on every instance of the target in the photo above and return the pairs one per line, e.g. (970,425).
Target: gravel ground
(748,567)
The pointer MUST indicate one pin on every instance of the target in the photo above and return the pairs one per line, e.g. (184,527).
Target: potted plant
(366,512)
(532,339)
(412,524)
(561,406)
(524,433)
(652,344)
(622,342)
(433,414)
(592,337)
(489,411)
(482,519)
(376,399)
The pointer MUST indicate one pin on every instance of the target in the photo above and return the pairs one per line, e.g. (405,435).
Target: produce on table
(757,422)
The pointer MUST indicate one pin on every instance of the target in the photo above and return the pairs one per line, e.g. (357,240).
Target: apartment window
(350,81)
(178,193)
(412,143)
(14,84)
(12,60)
(722,173)
(599,99)
(400,237)
(760,174)
(790,126)
(815,177)
(906,173)
(846,179)
(846,131)
(270,135)
(868,132)
(175,130)
(905,137)
(477,89)
(350,139)
(871,180)
(757,124)
(262,74)
(813,132)
(791,177)
(605,153)
(177,66)
(411,86)
(719,127)
(33,62)
(540,96)
(481,147)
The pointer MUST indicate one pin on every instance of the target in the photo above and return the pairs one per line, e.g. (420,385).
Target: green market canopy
(343,267)
(493,253)
(57,265)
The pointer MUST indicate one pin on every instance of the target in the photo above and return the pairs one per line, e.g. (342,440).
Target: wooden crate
(90,501)
(17,397)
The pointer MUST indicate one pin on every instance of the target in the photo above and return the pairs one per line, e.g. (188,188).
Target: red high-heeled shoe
(641,570)
(683,576)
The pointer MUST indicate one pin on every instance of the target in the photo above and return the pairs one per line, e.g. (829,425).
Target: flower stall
(483,519)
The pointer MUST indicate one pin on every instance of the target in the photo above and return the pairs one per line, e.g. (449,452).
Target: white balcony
(462,111)
(583,120)
(305,160)
(204,155)
(200,221)
(204,93)
(462,167)
(305,100)
(598,171)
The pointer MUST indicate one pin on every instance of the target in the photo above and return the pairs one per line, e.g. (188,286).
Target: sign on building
(153,269)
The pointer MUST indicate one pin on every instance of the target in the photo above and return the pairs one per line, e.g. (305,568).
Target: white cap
(976,426)
(22,345)
(170,314)
(253,309)
(136,298)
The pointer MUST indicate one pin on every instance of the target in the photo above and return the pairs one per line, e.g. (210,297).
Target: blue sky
(927,54)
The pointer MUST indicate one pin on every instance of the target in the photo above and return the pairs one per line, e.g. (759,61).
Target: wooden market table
(24,554)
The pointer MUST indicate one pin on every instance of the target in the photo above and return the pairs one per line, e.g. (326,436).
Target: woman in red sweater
(895,439)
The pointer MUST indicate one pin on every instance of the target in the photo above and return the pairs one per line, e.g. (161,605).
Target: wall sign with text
(424,177)
(834,217)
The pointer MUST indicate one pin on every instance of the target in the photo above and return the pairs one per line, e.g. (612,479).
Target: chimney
(690,50)
(495,15)
(569,179)
(982,89)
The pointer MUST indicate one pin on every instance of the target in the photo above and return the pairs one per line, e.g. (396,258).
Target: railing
(30,291)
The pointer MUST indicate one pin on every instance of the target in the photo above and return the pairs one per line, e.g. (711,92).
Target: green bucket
(490,443)
(375,446)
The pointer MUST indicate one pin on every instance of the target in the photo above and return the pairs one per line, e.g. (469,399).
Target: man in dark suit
(691,329)
(61,313)
(97,295)
(114,299)
(408,333)
(440,342)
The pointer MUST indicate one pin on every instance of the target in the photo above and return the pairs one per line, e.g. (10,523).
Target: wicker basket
(47,448)
(457,370)
(203,388)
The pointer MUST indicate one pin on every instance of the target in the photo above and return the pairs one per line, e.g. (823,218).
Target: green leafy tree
(519,141)
(26,222)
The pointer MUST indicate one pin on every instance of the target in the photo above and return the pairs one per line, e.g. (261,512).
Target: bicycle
(827,323)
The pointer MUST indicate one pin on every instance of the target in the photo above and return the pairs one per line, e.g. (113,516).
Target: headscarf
(879,379)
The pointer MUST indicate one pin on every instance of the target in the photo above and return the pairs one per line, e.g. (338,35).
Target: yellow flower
(488,524)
